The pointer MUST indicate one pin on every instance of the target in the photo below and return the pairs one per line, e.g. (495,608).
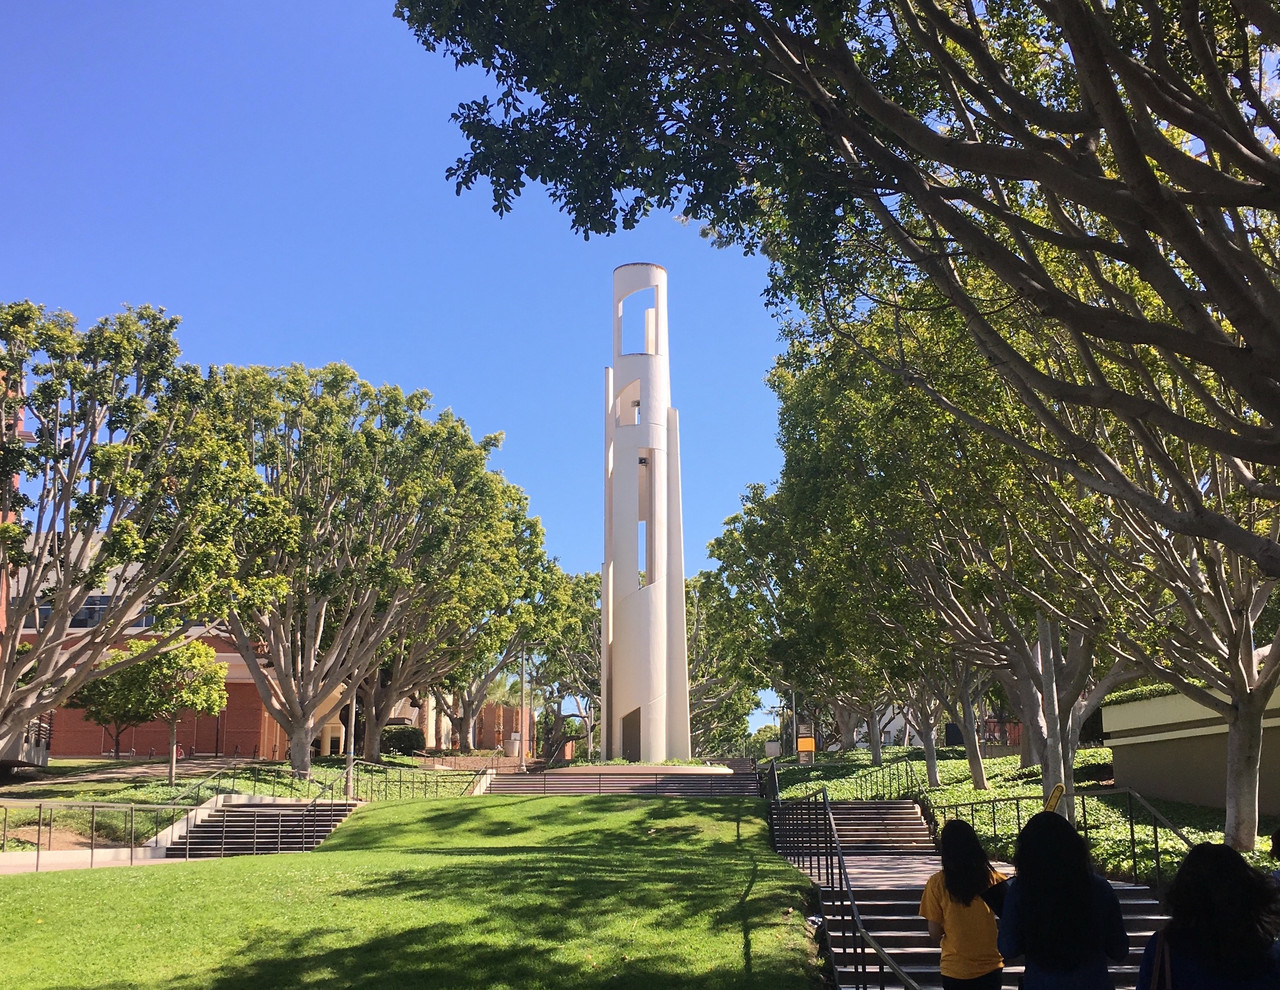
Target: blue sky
(277,179)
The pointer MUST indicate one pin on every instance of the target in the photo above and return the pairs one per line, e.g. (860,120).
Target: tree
(130,493)
(756,741)
(119,701)
(487,579)
(722,691)
(568,669)
(366,494)
(186,678)
(1107,176)
(160,687)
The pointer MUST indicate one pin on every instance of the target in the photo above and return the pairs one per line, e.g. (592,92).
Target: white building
(645,674)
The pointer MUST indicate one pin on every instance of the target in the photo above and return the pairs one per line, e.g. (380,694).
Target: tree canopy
(1093,191)
(369,502)
(130,494)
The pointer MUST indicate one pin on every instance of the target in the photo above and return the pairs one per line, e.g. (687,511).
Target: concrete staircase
(865,828)
(889,854)
(255,829)
(891,916)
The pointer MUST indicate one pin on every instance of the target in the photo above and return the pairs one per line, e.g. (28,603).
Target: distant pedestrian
(960,919)
(1224,917)
(1059,915)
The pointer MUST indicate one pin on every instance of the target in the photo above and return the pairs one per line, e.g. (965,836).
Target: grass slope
(488,892)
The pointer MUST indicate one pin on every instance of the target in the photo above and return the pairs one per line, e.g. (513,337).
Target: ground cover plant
(997,818)
(491,892)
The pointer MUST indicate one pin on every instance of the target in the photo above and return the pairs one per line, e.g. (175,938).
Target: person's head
(1054,877)
(1223,910)
(1275,844)
(966,870)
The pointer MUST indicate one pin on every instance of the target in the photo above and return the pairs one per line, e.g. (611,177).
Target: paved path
(902,872)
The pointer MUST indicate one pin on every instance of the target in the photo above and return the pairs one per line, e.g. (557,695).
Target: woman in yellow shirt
(959,917)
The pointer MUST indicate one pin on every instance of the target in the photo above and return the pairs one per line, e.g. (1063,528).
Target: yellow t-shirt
(968,930)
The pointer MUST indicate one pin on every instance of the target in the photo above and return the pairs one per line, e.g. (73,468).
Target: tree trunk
(1053,771)
(173,752)
(116,739)
(466,725)
(969,730)
(846,724)
(926,730)
(378,705)
(1244,753)
(375,720)
(300,737)
(873,737)
(439,739)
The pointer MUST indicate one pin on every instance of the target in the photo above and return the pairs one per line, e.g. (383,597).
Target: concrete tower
(645,672)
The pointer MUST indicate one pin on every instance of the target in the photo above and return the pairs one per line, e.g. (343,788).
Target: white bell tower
(645,673)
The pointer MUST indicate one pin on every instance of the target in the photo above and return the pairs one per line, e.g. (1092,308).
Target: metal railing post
(1133,842)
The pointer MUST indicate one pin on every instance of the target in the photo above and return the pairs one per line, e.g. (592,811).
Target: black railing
(383,782)
(804,832)
(770,789)
(1098,816)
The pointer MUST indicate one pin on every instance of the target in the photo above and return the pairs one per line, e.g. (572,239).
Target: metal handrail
(940,812)
(174,812)
(309,817)
(771,785)
(199,785)
(418,778)
(847,886)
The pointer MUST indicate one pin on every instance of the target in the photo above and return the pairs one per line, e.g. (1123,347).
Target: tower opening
(631,736)
(626,409)
(640,322)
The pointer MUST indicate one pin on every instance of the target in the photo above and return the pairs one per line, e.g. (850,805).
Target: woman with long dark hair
(960,920)
(1059,915)
(1224,917)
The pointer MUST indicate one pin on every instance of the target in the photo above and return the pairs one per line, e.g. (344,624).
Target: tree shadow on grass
(445,956)
(435,825)
(551,895)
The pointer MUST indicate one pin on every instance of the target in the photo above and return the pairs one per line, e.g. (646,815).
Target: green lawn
(487,892)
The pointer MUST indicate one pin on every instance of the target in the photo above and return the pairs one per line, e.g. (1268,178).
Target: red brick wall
(244,723)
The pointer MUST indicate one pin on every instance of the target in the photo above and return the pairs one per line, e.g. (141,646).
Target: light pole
(349,786)
(524,715)
(795,728)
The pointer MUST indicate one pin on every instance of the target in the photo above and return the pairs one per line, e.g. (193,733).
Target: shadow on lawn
(443,955)
(506,820)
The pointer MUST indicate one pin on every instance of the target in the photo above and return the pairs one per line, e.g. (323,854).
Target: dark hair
(1223,910)
(1055,882)
(966,870)
(1275,844)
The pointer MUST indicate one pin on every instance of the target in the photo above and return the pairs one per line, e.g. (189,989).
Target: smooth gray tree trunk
(972,747)
(1244,755)
(300,738)
(873,737)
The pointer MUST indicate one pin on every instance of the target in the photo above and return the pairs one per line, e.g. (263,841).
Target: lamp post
(524,715)
(348,787)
